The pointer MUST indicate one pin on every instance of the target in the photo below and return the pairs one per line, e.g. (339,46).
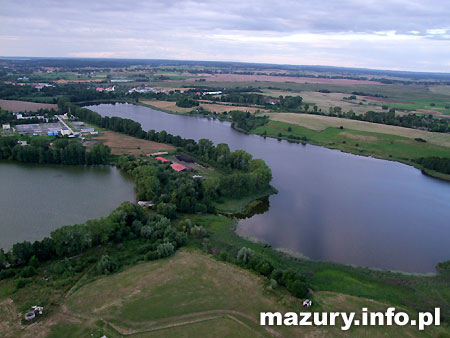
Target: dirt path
(212,314)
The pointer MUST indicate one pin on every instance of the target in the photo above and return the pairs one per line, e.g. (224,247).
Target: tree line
(127,222)
(59,151)
(439,164)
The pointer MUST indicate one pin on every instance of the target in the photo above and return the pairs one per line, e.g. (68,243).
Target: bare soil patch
(124,144)
(22,106)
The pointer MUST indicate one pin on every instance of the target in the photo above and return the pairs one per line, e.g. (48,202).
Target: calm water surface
(37,199)
(331,205)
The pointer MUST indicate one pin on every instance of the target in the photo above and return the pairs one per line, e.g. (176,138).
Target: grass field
(22,106)
(379,145)
(124,144)
(191,295)
(320,123)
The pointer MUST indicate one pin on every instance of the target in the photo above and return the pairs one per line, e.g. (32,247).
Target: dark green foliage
(20,282)
(62,151)
(168,210)
(244,255)
(439,164)
(246,121)
(298,289)
(107,265)
(186,102)
(165,250)
(444,267)
(152,255)
(28,271)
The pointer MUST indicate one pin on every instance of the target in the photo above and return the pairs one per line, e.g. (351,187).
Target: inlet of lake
(331,205)
(37,199)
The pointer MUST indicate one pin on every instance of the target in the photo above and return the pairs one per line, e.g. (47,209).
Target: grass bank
(240,205)
(384,146)
(413,291)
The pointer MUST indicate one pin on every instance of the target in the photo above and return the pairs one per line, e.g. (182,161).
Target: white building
(6,126)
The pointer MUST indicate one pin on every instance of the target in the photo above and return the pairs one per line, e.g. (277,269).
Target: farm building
(162,159)
(159,153)
(178,167)
(185,158)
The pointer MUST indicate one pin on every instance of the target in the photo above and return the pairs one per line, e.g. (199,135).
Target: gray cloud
(382,34)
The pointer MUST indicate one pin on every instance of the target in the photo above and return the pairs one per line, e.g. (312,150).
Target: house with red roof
(178,167)
(162,159)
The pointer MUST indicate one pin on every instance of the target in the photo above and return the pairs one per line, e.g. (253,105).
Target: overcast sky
(390,34)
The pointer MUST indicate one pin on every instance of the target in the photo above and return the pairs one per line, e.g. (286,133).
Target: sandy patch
(124,144)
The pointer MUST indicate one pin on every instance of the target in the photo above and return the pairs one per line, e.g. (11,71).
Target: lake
(331,205)
(37,199)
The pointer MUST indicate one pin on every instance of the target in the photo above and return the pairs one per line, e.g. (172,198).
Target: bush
(147,231)
(19,283)
(244,255)
(8,273)
(277,274)
(152,255)
(28,271)
(165,250)
(168,210)
(273,284)
(198,231)
(298,289)
(181,239)
(107,265)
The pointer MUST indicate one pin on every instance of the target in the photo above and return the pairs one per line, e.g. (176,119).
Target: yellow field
(317,122)
(124,144)
(212,107)
(326,100)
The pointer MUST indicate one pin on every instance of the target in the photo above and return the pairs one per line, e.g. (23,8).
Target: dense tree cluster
(290,279)
(244,98)
(439,164)
(246,121)
(186,102)
(127,222)
(60,151)
(179,191)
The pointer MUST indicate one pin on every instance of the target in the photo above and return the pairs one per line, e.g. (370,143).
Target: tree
(168,210)
(147,231)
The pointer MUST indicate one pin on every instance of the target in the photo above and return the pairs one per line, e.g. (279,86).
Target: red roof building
(178,167)
(162,159)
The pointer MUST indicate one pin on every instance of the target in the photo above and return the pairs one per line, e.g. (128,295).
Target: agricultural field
(171,106)
(188,293)
(320,123)
(124,144)
(23,106)
(276,79)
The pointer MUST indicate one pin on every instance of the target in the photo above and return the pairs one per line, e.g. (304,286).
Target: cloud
(411,34)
